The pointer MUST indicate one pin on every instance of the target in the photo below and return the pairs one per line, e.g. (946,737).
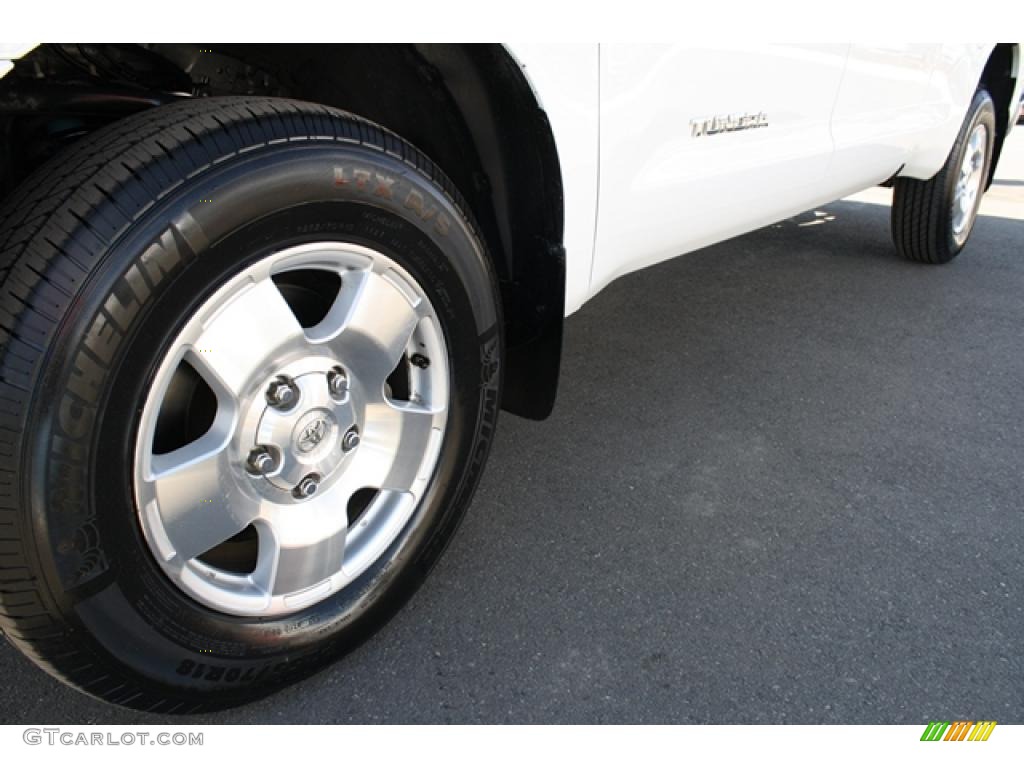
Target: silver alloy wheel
(291,469)
(968,183)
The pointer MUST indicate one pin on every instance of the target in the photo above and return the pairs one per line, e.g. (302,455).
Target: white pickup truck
(260,305)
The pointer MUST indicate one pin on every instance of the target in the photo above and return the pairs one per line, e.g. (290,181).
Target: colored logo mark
(959,730)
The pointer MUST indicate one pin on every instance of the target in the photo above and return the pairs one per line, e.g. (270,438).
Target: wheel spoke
(252,329)
(369,327)
(300,556)
(198,504)
(394,443)
(977,140)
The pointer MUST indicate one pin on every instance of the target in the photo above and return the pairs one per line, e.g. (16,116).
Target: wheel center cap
(315,428)
(308,436)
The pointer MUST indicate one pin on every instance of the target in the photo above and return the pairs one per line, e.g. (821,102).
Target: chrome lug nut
(307,487)
(337,381)
(350,440)
(262,460)
(282,393)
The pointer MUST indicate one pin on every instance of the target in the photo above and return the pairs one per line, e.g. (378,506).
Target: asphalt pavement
(783,483)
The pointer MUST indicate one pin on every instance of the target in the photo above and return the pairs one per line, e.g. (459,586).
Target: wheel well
(468,107)
(999,78)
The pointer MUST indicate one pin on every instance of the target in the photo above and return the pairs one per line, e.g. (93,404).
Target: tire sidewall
(95,561)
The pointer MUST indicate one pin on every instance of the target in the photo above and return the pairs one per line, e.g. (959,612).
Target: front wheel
(250,366)
(932,219)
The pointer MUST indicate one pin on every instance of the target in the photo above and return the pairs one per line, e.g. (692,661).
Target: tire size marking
(365,180)
(376,184)
(216,672)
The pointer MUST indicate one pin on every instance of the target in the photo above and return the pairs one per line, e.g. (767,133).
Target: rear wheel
(250,359)
(932,219)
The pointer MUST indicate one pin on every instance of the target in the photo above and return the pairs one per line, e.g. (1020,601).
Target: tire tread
(920,207)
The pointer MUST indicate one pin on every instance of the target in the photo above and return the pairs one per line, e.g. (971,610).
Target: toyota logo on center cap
(313,434)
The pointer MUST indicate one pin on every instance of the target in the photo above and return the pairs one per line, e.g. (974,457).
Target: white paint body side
(841,118)
(664,191)
(902,105)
